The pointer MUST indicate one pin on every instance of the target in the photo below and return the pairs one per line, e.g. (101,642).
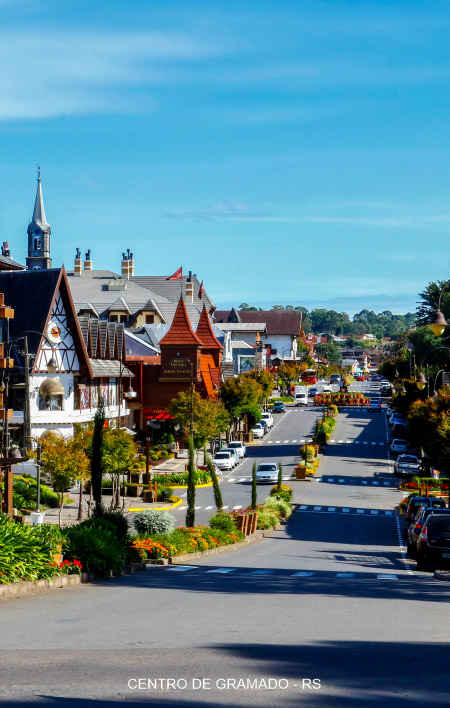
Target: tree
(97,458)
(119,452)
(241,396)
(429,302)
(217,492)
(330,352)
(280,476)
(254,487)
(429,427)
(288,372)
(64,461)
(190,513)
(210,417)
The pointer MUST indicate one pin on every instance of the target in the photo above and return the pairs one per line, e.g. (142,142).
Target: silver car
(267,472)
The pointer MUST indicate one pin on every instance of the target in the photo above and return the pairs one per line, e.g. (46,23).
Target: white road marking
(349,441)
(225,507)
(302,574)
(341,481)
(331,508)
(182,567)
(332,440)
(340,441)
(386,484)
(232,479)
(374,511)
(365,443)
(197,508)
(285,441)
(303,506)
(386,576)
(317,508)
(374,482)
(360,511)
(208,508)
(221,570)
(237,507)
(182,507)
(331,479)
(294,441)
(277,441)
(389,513)
(269,441)
(364,481)
(262,571)
(373,443)
(356,442)
(242,479)
(345,575)
(381,443)
(302,441)
(345,510)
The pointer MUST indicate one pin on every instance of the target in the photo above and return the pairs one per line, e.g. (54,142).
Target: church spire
(39,233)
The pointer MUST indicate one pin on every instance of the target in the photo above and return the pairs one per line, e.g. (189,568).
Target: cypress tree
(217,493)
(254,489)
(97,458)
(280,476)
(190,513)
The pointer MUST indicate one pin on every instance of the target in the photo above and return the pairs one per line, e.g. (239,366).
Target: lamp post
(439,323)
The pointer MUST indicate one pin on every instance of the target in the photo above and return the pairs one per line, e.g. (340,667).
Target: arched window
(37,244)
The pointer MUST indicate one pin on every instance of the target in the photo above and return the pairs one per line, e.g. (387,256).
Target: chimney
(87,261)
(189,291)
(78,263)
(127,265)
(6,253)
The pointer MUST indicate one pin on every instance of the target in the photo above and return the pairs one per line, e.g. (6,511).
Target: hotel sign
(178,366)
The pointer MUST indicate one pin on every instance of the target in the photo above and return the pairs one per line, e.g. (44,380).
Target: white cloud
(219,212)
(49,74)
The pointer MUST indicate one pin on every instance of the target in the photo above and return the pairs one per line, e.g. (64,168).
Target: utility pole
(27,412)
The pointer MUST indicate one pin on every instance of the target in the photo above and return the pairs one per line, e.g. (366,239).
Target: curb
(175,560)
(63,581)
(442,575)
(156,508)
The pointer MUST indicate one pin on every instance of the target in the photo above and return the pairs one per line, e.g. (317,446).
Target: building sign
(178,366)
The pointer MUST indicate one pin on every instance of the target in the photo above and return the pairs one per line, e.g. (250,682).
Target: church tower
(39,234)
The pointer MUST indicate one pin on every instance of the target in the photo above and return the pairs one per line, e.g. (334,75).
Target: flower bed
(341,399)
(181,479)
(184,540)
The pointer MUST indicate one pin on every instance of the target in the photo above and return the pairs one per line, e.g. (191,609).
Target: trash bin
(37,518)
(164,495)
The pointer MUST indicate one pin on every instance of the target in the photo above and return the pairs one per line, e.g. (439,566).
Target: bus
(309,376)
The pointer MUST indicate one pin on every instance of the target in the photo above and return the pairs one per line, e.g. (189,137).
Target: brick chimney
(127,265)
(77,268)
(189,288)
(88,261)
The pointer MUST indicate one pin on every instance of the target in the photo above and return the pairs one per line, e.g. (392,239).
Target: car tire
(421,564)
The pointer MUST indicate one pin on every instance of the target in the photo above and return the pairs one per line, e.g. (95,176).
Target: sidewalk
(69,514)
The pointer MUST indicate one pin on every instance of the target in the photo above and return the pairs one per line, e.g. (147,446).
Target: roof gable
(205,332)
(180,331)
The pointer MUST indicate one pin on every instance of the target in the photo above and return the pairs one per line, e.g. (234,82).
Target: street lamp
(439,323)
(421,382)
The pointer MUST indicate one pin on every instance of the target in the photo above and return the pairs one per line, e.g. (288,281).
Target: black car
(433,544)
(400,430)
(385,391)
(416,502)
(417,525)
(278,407)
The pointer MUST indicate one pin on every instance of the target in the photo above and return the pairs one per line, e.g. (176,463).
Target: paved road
(330,596)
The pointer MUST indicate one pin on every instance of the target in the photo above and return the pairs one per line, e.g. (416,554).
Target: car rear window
(438,523)
(233,445)
(375,400)
(407,458)
(222,455)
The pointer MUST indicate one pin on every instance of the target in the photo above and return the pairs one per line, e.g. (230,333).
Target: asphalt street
(329,596)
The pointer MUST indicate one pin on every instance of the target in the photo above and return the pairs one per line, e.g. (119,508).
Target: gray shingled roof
(242,326)
(171,289)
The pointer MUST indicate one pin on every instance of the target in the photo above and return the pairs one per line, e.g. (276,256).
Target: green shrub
(284,493)
(163,455)
(118,521)
(266,520)
(27,551)
(152,521)
(279,506)
(96,546)
(223,521)
(49,497)
(201,477)
(308,452)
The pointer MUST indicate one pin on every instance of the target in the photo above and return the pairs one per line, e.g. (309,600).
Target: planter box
(148,496)
(134,491)
(300,472)
(107,491)
(135,477)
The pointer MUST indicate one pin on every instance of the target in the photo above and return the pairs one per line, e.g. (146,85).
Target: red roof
(205,332)
(181,331)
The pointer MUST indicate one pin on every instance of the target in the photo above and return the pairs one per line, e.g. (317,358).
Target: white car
(398,446)
(396,418)
(224,460)
(267,472)
(258,431)
(327,388)
(234,452)
(239,446)
(268,418)
(301,399)
(406,465)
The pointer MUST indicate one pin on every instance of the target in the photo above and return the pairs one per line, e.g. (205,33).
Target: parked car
(385,382)
(267,472)
(313,391)
(416,502)
(234,452)
(406,465)
(400,430)
(224,460)
(327,389)
(385,391)
(395,418)
(278,407)
(417,525)
(398,446)
(264,425)
(239,446)
(258,431)
(301,399)
(335,379)
(433,544)
(374,404)
(390,411)
(268,418)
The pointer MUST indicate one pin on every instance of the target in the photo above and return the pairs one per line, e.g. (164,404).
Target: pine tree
(280,476)
(217,493)
(254,489)
(190,513)
(97,458)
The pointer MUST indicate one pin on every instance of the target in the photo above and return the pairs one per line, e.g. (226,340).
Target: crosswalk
(333,441)
(259,573)
(349,511)
(355,480)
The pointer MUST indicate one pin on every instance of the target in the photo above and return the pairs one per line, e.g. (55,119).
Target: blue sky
(286,152)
